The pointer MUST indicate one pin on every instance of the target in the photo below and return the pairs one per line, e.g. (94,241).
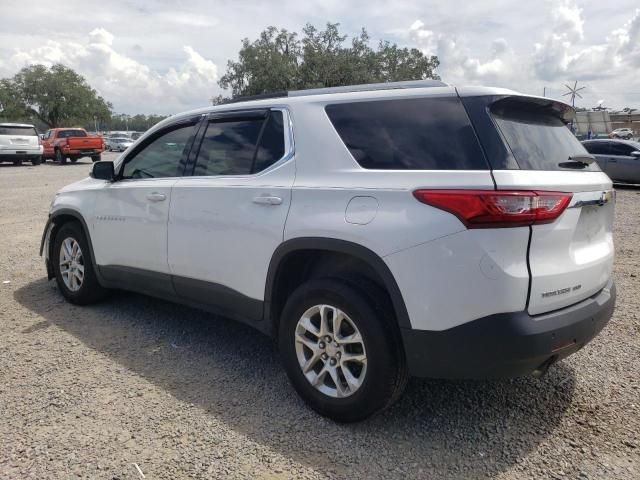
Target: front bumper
(508,344)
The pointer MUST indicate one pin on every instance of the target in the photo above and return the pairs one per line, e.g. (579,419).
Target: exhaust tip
(544,367)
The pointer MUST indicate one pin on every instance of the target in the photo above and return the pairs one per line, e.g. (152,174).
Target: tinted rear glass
(408,134)
(538,138)
(71,133)
(30,131)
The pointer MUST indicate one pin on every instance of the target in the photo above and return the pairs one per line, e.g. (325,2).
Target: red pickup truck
(72,143)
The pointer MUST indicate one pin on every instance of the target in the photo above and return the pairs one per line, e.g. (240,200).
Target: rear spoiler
(547,105)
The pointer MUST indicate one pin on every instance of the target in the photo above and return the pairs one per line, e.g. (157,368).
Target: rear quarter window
(408,134)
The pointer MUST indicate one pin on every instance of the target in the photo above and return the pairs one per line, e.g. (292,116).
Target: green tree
(11,106)
(279,60)
(56,96)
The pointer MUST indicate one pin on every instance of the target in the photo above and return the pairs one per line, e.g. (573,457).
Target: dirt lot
(89,392)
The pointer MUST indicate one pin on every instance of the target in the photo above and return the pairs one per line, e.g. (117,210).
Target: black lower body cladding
(508,344)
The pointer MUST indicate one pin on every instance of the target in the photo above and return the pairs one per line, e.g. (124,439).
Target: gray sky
(158,56)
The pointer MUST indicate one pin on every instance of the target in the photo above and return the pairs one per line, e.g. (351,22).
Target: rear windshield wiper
(577,161)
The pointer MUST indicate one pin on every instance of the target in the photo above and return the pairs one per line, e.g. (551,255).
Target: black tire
(96,158)
(386,374)
(17,163)
(74,159)
(90,290)
(36,161)
(60,159)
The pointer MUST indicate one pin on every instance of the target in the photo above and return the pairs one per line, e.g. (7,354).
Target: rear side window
(241,147)
(621,149)
(408,134)
(29,131)
(538,138)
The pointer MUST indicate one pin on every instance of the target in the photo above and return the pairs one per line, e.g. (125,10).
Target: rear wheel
(96,158)
(73,268)
(60,159)
(36,161)
(341,351)
(17,162)
(74,159)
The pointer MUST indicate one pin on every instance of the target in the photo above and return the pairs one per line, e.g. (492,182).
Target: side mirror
(636,154)
(103,171)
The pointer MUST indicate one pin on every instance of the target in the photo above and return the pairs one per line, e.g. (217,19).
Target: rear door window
(408,134)
(241,146)
(538,138)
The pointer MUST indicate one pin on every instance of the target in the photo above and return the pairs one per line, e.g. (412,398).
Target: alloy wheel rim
(71,264)
(330,351)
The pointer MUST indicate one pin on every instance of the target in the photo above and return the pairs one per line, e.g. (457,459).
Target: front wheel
(95,158)
(73,268)
(74,159)
(341,350)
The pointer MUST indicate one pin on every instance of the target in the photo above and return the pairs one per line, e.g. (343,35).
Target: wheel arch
(55,221)
(289,248)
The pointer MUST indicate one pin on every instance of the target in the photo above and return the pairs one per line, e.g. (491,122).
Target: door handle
(267,200)
(156,197)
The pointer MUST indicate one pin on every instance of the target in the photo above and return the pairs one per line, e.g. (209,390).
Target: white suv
(20,142)
(377,232)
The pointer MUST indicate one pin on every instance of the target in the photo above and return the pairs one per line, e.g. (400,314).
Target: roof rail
(365,87)
(259,96)
(343,89)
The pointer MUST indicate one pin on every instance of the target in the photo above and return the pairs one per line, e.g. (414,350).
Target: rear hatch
(18,137)
(532,148)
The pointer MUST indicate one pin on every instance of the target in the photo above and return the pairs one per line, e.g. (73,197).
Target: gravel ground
(90,392)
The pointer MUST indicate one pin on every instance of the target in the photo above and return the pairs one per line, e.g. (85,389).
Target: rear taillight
(495,208)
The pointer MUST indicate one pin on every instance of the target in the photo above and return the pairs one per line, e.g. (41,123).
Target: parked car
(20,142)
(118,144)
(61,144)
(624,133)
(410,228)
(620,159)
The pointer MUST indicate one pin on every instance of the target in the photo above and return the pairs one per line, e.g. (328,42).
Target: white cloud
(139,60)
(132,86)
(457,64)
(559,53)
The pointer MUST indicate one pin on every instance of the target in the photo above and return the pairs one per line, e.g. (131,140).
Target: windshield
(538,138)
(11,130)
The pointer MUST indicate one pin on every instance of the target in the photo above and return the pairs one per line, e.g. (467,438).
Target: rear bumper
(508,344)
(85,152)
(26,155)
